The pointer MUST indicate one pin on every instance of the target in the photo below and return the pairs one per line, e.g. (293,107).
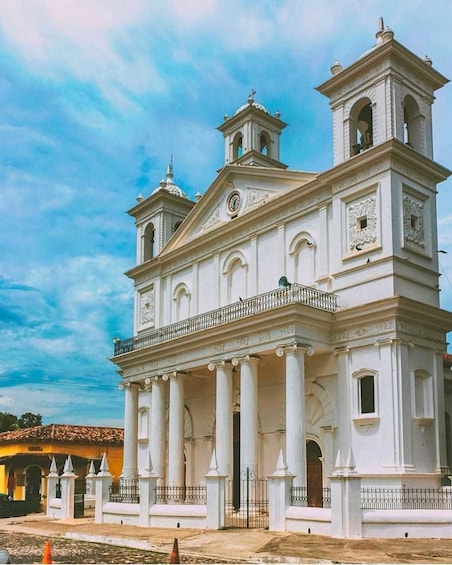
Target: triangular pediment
(238,190)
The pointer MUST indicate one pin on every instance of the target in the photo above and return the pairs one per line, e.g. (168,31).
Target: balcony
(294,294)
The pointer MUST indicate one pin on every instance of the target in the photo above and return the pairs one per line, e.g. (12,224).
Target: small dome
(251,102)
(255,105)
(169,184)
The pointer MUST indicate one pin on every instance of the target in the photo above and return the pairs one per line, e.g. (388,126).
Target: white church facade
(287,328)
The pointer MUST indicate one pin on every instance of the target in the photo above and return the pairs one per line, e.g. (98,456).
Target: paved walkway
(237,545)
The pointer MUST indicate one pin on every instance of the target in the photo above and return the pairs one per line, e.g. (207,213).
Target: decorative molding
(366,211)
(369,75)
(413,220)
(365,174)
(214,218)
(147,307)
(255,195)
(285,214)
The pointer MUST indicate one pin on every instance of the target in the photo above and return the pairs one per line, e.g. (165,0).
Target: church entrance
(246,494)
(314,475)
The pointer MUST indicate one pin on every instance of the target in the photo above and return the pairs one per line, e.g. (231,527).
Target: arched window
(302,249)
(143,424)
(181,297)
(361,126)
(177,226)
(237,281)
(238,145)
(423,395)
(365,397)
(148,242)
(366,394)
(235,271)
(264,143)
(412,123)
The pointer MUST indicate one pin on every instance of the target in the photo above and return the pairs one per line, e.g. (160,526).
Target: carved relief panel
(362,223)
(414,221)
(147,308)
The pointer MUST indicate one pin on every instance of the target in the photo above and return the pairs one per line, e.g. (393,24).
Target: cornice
(386,51)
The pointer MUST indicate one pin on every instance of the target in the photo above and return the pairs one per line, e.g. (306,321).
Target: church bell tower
(387,93)
(251,136)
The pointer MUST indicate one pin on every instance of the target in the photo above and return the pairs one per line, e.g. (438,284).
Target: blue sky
(95,97)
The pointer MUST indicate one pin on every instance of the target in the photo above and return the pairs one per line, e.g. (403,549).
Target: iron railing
(125,490)
(379,498)
(301,496)
(181,495)
(246,501)
(294,294)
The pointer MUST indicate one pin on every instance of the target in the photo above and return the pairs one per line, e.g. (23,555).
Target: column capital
(128,385)
(341,350)
(245,359)
(218,363)
(174,375)
(293,347)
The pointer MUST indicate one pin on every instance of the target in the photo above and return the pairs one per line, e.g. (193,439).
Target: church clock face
(233,202)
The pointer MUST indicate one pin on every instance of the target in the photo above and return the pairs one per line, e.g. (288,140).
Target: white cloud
(82,39)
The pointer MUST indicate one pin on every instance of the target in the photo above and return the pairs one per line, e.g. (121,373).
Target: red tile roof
(64,433)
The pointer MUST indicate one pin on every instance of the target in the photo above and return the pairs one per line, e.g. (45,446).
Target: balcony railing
(294,294)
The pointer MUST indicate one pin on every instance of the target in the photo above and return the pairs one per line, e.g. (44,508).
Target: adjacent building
(26,455)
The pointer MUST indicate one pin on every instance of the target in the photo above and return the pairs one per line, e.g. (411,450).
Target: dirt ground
(82,541)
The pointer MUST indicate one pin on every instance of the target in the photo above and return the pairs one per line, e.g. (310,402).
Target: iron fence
(294,294)
(302,496)
(408,498)
(181,495)
(125,490)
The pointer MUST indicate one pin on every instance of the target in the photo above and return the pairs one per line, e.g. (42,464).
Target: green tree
(29,420)
(10,422)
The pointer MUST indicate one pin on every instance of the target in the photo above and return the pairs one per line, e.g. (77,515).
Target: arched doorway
(33,483)
(314,476)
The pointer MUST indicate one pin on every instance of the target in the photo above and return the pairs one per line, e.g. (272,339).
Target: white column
(158,428)
(176,431)
(223,419)
(130,467)
(345,414)
(248,414)
(295,413)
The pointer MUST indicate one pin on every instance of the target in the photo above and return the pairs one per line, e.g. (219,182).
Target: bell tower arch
(387,93)
(251,136)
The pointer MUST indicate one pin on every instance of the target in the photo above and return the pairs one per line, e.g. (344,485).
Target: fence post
(67,489)
(346,517)
(90,481)
(279,495)
(215,484)
(148,484)
(103,484)
(52,482)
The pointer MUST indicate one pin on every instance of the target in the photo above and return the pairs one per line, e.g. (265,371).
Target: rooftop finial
(381,27)
(169,172)
(251,96)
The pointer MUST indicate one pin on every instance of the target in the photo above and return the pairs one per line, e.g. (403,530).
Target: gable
(236,191)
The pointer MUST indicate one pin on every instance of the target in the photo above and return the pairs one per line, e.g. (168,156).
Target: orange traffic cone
(47,555)
(174,557)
